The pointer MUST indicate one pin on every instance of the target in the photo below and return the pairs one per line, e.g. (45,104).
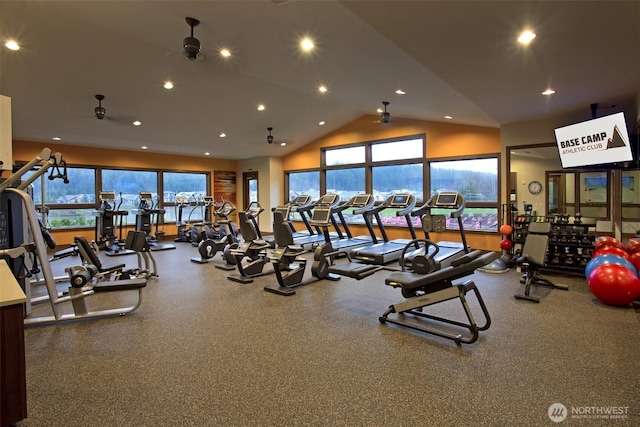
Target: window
(69,205)
(127,185)
(344,156)
(398,150)
(387,167)
(299,183)
(193,186)
(477,181)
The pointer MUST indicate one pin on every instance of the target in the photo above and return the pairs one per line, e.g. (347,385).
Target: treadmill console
(447,200)
(300,200)
(321,216)
(361,200)
(400,201)
(328,200)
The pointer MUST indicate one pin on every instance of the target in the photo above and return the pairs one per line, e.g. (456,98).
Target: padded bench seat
(120,285)
(460,267)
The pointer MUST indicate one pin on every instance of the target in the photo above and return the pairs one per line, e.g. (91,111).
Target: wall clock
(535,187)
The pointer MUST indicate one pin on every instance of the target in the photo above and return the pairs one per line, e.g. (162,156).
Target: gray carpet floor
(206,351)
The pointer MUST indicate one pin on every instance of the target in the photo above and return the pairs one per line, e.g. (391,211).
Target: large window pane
(127,185)
(188,184)
(304,183)
(345,182)
(476,180)
(344,156)
(388,180)
(397,150)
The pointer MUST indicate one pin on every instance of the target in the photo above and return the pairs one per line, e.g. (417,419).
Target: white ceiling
(455,58)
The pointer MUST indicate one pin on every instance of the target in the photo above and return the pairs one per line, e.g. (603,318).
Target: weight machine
(437,286)
(21,234)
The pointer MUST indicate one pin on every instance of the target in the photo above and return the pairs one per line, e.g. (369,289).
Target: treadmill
(301,204)
(448,201)
(388,251)
(328,202)
(360,203)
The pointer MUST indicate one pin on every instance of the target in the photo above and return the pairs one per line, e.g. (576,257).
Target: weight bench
(534,255)
(423,290)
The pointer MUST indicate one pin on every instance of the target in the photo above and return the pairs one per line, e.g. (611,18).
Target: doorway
(250,187)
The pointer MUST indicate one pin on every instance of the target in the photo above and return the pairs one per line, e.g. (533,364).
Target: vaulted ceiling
(452,58)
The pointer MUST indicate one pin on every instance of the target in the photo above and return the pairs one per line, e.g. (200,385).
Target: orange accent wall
(79,155)
(443,139)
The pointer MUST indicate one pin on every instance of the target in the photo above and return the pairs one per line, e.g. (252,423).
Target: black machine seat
(90,257)
(439,279)
(534,256)
(249,233)
(119,285)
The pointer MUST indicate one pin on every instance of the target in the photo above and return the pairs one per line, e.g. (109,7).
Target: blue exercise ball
(607,259)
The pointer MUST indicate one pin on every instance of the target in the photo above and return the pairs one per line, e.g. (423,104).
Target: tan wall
(74,155)
(443,140)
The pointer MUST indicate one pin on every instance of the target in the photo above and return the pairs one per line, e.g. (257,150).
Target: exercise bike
(208,247)
(290,266)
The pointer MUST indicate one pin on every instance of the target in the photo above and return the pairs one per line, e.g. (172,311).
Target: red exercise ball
(635,260)
(506,244)
(506,229)
(601,242)
(614,284)
(611,250)
(633,246)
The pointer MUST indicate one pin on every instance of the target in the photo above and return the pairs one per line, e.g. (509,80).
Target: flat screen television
(400,200)
(594,142)
(321,215)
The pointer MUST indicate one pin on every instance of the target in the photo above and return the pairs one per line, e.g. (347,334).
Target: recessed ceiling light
(282,144)
(207,153)
(526,37)
(56,138)
(225,52)
(168,85)
(144,147)
(222,135)
(379,110)
(448,117)
(12,44)
(400,92)
(548,92)
(307,44)
(322,89)
(137,123)
(261,107)
(321,123)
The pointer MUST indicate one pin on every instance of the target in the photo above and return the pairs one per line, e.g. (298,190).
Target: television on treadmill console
(400,200)
(300,200)
(447,200)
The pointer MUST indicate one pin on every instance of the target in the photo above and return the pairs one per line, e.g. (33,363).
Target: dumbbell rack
(570,244)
